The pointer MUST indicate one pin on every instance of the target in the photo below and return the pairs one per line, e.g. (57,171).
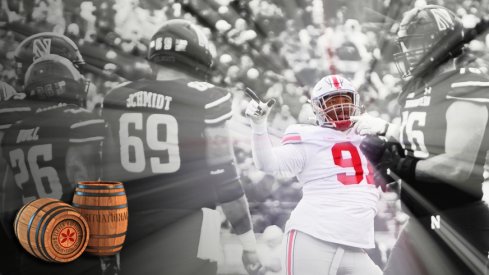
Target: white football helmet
(334,101)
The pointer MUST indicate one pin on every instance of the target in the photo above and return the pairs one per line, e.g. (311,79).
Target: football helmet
(38,45)
(334,101)
(181,44)
(54,78)
(427,37)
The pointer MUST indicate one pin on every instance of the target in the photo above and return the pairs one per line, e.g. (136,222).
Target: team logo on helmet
(335,82)
(41,47)
(443,19)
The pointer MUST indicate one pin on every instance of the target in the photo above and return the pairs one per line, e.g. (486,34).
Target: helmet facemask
(334,110)
(427,38)
(413,49)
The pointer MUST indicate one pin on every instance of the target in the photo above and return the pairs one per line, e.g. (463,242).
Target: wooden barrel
(51,230)
(104,206)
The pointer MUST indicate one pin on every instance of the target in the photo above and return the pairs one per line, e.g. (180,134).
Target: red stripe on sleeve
(286,139)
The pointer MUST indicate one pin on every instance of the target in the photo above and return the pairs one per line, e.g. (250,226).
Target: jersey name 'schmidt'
(148,99)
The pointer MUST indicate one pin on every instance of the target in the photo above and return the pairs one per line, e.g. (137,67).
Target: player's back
(36,149)
(159,145)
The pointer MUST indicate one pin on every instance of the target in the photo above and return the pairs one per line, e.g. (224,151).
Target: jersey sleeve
(217,105)
(470,85)
(221,163)
(287,160)
(13,111)
(292,135)
(292,152)
(226,179)
(85,126)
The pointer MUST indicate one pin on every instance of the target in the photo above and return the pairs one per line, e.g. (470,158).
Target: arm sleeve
(218,106)
(13,111)
(221,162)
(287,160)
(470,86)
(228,185)
(86,127)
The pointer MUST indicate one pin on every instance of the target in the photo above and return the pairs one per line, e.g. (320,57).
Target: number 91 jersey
(159,145)
(339,199)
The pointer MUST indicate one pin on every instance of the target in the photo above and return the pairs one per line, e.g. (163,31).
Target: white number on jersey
(200,85)
(415,137)
(134,144)
(18,160)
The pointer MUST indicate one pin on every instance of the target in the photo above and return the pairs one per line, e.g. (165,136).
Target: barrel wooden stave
(104,206)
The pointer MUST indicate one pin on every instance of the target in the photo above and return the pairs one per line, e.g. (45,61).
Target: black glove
(388,155)
(373,148)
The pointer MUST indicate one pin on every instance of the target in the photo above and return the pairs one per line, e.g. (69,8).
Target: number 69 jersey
(159,147)
(339,199)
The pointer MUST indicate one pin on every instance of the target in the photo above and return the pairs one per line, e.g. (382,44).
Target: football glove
(386,156)
(366,124)
(259,111)
(252,263)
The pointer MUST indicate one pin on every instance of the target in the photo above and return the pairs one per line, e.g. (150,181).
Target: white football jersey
(339,196)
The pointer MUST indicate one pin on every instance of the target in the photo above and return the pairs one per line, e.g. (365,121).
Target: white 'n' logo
(435,222)
(443,19)
(41,47)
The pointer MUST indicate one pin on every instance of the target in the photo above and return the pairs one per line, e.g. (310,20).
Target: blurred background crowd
(277,48)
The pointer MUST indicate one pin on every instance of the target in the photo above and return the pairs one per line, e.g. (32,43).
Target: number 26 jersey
(339,199)
(37,148)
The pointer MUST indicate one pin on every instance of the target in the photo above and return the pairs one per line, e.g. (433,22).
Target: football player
(444,107)
(15,106)
(51,150)
(172,150)
(334,221)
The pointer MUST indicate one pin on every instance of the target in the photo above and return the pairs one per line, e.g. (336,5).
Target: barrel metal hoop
(104,247)
(29,225)
(84,194)
(43,248)
(17,218)
(104,187)
(95,236)
(94,207)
